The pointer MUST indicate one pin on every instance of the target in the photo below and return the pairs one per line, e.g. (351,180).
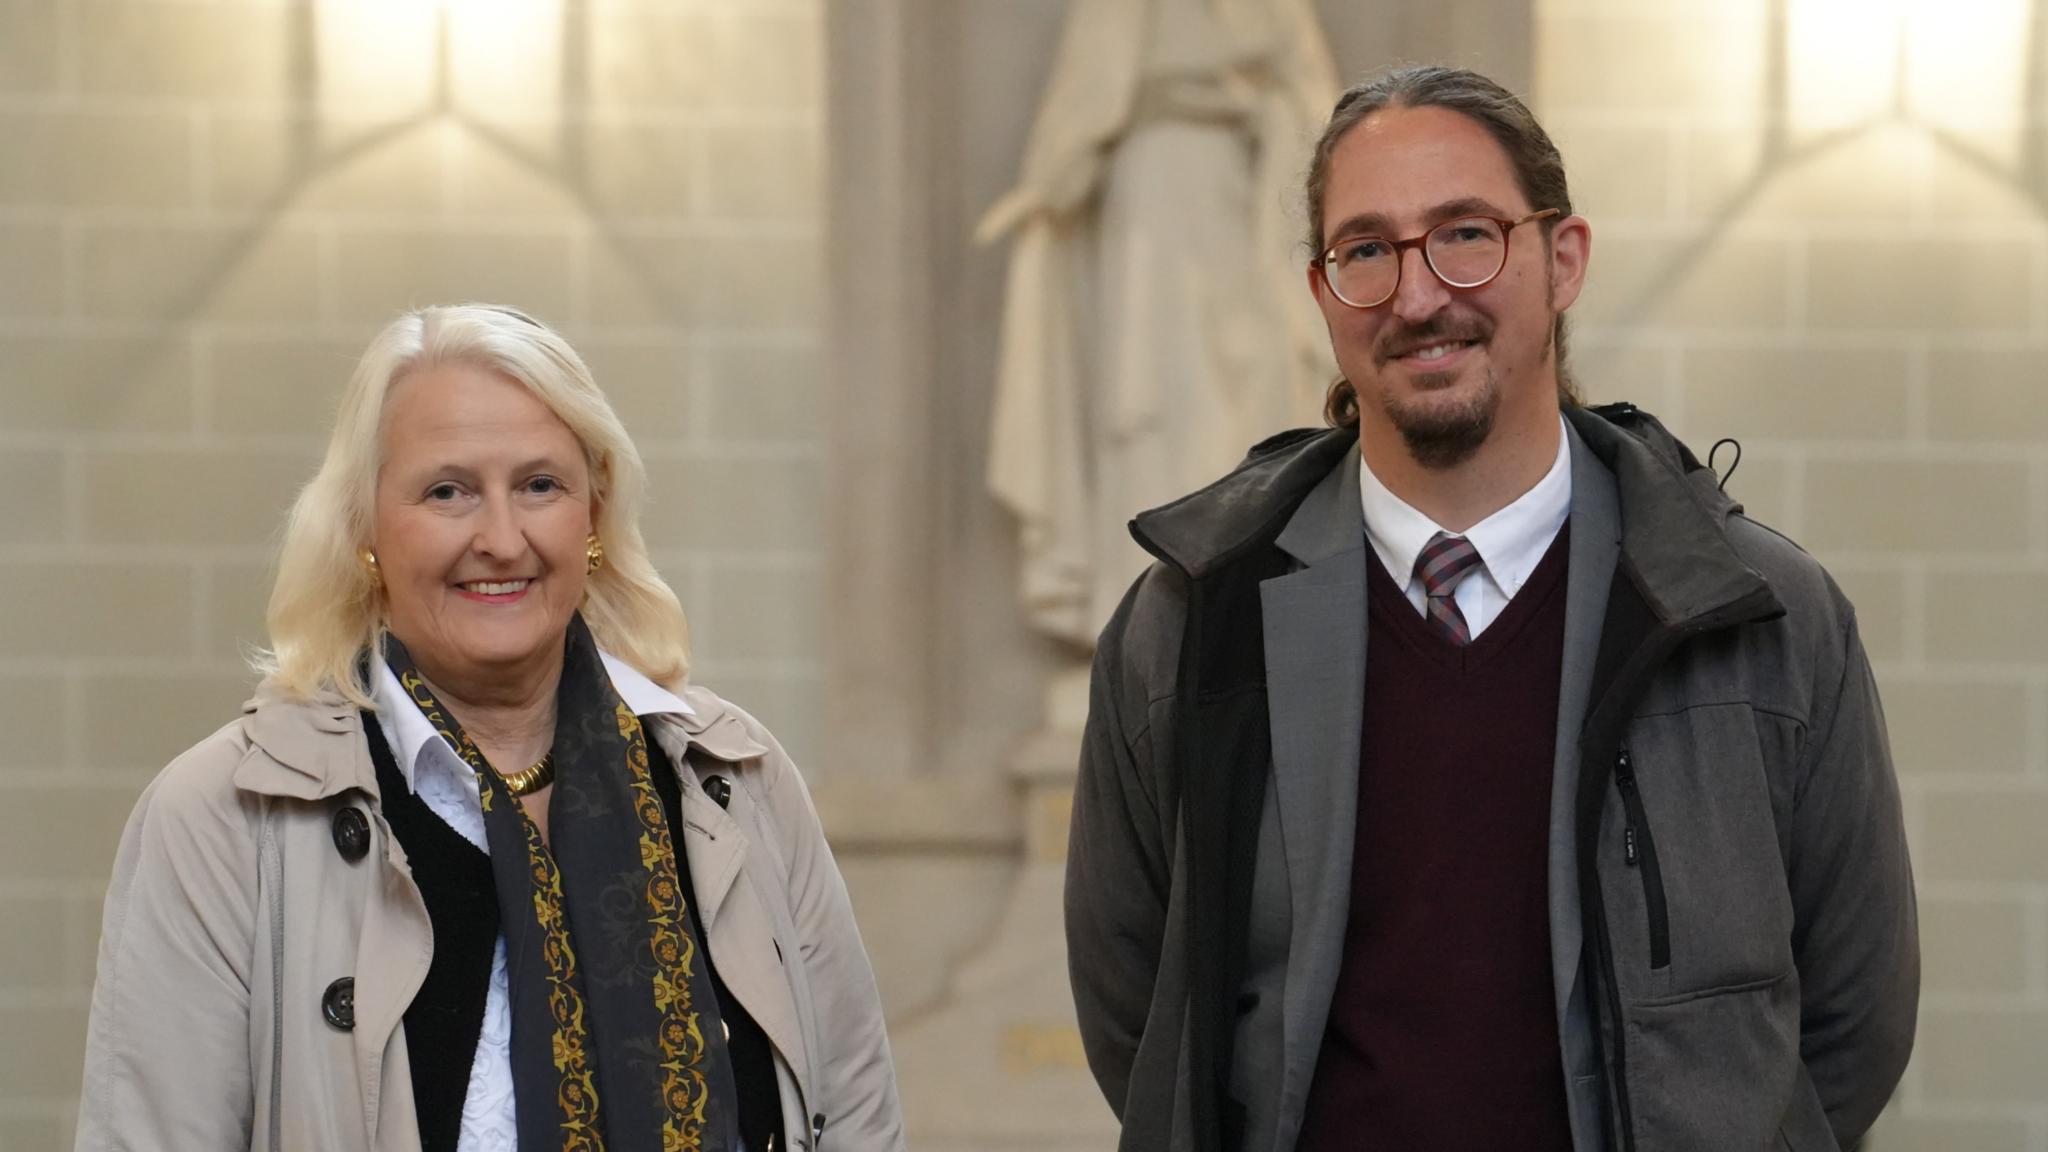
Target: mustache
(1401,341)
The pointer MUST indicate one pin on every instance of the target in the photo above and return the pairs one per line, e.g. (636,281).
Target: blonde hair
(326,609)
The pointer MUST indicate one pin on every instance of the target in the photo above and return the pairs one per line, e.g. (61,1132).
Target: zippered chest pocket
(1693,871)
(1639,852)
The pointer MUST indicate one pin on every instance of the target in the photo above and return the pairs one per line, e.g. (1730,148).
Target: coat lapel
(740,932)
(1595,545)
(393,954)
(712,839)
(314,750)
(1315,683)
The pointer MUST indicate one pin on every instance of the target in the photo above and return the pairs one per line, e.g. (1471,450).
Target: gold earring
(369,560)
(593,555)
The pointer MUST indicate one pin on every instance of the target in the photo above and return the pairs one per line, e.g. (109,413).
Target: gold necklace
(536,777)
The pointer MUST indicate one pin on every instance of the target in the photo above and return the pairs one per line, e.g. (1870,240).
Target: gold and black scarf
(616,1037)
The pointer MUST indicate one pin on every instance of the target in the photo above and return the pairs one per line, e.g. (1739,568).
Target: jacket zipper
(1620,700)
(1639,850)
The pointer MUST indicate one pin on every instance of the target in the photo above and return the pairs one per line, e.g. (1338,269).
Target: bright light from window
(376,56)
(1844,62)
(506,54)
(1966,71)
(1957,65)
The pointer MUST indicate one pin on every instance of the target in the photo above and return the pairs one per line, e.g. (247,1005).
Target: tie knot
(1444,561)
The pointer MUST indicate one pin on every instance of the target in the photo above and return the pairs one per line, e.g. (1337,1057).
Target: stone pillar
(954,730)
(997,1065)
(957,729)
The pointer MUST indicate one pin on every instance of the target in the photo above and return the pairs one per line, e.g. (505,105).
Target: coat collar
(1674,515)
(1204,530)
(717,727)
(1674,522)
(313,748)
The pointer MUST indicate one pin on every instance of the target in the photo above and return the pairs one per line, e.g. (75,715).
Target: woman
(476,867)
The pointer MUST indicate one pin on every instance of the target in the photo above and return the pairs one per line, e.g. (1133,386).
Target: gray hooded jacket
(1734,944)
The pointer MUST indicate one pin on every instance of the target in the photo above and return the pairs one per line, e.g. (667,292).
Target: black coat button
(351,834)
(719,789)
(338,1004)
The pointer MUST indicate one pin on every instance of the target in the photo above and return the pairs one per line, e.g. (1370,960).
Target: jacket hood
(1673,511)
(1205,529)
(1674,522)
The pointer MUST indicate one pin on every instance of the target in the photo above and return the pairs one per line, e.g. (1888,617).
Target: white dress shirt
(449,789)
(1510,542)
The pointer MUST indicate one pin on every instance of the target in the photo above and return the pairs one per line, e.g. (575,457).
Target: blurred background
(1819,228)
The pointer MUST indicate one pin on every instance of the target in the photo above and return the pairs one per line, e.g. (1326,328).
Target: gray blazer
(1315,659)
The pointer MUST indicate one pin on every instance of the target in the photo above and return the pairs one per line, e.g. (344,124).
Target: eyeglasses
(1365,271)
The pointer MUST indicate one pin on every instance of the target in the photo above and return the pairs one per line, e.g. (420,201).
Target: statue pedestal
(997,1065)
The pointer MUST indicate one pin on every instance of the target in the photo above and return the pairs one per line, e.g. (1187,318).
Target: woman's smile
(494,591)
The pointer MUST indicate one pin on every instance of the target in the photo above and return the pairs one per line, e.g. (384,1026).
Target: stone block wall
(206,209)
(1806,242)
(208,206)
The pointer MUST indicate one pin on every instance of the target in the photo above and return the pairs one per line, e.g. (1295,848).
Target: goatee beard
(1439,437)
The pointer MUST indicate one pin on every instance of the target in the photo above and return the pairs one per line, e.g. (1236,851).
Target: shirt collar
(643,696)
(411,735)
(1510,542)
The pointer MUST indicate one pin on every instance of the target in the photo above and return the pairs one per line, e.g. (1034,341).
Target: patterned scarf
(616,1036)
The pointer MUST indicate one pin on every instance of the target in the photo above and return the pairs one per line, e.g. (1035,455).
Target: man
(1474,774)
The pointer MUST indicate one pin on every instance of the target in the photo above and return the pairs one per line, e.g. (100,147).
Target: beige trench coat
(232,912)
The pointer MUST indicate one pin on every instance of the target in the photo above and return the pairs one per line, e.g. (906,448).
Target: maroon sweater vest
(1442,1034)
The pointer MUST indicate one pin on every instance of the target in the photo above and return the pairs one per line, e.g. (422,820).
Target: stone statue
(1157,321)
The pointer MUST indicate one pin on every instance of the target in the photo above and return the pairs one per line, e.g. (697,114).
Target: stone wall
(207,208)
(1832,248)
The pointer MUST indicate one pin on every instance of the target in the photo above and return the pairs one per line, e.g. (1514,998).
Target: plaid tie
(1445,561)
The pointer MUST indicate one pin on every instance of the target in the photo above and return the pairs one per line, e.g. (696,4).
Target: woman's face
(484,504)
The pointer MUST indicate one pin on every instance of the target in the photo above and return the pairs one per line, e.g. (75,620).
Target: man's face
(1440,365)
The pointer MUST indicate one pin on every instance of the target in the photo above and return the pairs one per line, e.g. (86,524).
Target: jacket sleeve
(857,1089)
(1118,880)
(167,1061)
(1856,938)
